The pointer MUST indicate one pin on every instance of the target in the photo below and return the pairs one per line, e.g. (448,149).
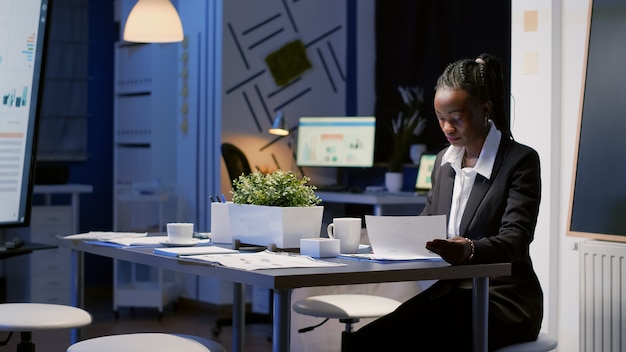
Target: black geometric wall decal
(328,75)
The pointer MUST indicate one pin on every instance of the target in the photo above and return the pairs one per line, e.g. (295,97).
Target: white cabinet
(44,276)
(145,130)
(138,285)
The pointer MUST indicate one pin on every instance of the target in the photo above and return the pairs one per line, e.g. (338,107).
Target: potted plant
(274,209)
(405,128)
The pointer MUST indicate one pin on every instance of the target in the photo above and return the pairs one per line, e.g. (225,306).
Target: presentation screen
(336,141)
(22,29)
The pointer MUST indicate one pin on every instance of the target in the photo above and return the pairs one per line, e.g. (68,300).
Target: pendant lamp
(153,21)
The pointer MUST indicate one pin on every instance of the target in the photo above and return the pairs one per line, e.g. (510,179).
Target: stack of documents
(105,235)
(126,239)
(187,251)
(264,260)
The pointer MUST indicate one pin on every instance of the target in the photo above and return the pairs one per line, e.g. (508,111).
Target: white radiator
(602,296)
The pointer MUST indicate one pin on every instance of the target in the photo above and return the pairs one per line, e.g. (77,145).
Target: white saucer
(192,243)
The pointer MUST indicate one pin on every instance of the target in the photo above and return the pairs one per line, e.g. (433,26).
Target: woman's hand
(455,251)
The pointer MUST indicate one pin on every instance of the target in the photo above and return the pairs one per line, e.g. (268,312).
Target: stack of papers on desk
(105,235)
(263,260)
(186,251)
(390,258)
(125,239)
(112,239)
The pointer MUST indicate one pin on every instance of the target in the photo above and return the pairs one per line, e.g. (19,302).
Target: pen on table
(213,199)
(223,198)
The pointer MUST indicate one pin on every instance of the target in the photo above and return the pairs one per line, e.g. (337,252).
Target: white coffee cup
(180,232)
(347,231)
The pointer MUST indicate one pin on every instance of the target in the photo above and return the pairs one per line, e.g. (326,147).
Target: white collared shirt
(464,179)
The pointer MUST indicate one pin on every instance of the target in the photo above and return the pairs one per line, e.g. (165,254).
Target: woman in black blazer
(489,187)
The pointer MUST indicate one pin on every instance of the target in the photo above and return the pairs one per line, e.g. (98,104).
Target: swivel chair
(543,343)
(348,308)
(153,342)
(235,160)
(29,317)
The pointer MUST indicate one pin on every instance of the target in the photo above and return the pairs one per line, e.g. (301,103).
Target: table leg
(282,320)
(239,316)
(78,288)
(75,202)
(480,313)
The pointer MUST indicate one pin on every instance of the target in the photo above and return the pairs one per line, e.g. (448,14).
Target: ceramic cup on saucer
(180,232)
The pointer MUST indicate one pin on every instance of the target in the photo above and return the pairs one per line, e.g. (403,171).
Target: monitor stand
(340,185)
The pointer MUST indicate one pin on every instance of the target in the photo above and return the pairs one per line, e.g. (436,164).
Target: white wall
(573,43)
(532,88)
(546,94)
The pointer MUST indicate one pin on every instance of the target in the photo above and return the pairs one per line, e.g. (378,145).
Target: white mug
(347,231)
(180,232)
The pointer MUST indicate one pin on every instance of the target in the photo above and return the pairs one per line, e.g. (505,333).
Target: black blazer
(500,217)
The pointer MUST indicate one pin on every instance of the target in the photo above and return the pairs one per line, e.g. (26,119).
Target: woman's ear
(487,109)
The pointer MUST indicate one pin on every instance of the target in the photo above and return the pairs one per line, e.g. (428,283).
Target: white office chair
(348,308)
(544,343)
(152,342)
(29,317)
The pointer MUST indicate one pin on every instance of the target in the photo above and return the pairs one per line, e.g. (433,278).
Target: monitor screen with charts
(336,141)
(22,30)
(423,182)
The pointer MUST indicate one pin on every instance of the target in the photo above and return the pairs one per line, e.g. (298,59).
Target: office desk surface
(24,249)
(379,200)
(282,281)
(355,272)
(373,198)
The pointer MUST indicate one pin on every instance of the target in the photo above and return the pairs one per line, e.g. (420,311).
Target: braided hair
(482,79)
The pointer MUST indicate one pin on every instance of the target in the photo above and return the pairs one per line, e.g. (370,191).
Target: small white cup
(348,232)
(180,232)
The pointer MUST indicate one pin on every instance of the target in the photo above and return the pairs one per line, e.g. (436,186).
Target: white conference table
(377,199)
(283,281)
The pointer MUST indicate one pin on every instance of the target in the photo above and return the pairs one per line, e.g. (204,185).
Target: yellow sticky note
(530,21)
(531,63)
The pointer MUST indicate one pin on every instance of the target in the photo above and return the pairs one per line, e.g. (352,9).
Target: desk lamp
(279,127)
(153,21)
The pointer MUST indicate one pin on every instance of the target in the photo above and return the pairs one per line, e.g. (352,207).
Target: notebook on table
(402,237)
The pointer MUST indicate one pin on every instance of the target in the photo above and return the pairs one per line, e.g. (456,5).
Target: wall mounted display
(598,195)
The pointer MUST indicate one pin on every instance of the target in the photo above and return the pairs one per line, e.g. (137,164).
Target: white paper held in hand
(404,237)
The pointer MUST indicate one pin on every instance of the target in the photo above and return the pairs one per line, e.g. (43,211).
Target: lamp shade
(279,127)
(153,21)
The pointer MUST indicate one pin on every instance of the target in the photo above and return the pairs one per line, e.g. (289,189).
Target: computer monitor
(423,182)
(346,141)
(22,32)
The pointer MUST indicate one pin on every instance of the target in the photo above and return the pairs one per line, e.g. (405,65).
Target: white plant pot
(280,226)
(416,151)
(393,181)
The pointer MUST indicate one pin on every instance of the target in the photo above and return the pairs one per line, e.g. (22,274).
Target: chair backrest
(235,160)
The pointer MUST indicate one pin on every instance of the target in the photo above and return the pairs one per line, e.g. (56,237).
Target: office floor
(186,317)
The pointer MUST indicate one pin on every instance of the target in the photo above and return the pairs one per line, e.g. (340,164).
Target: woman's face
(461,118)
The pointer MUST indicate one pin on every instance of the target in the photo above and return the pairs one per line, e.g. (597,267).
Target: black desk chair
(235,160)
